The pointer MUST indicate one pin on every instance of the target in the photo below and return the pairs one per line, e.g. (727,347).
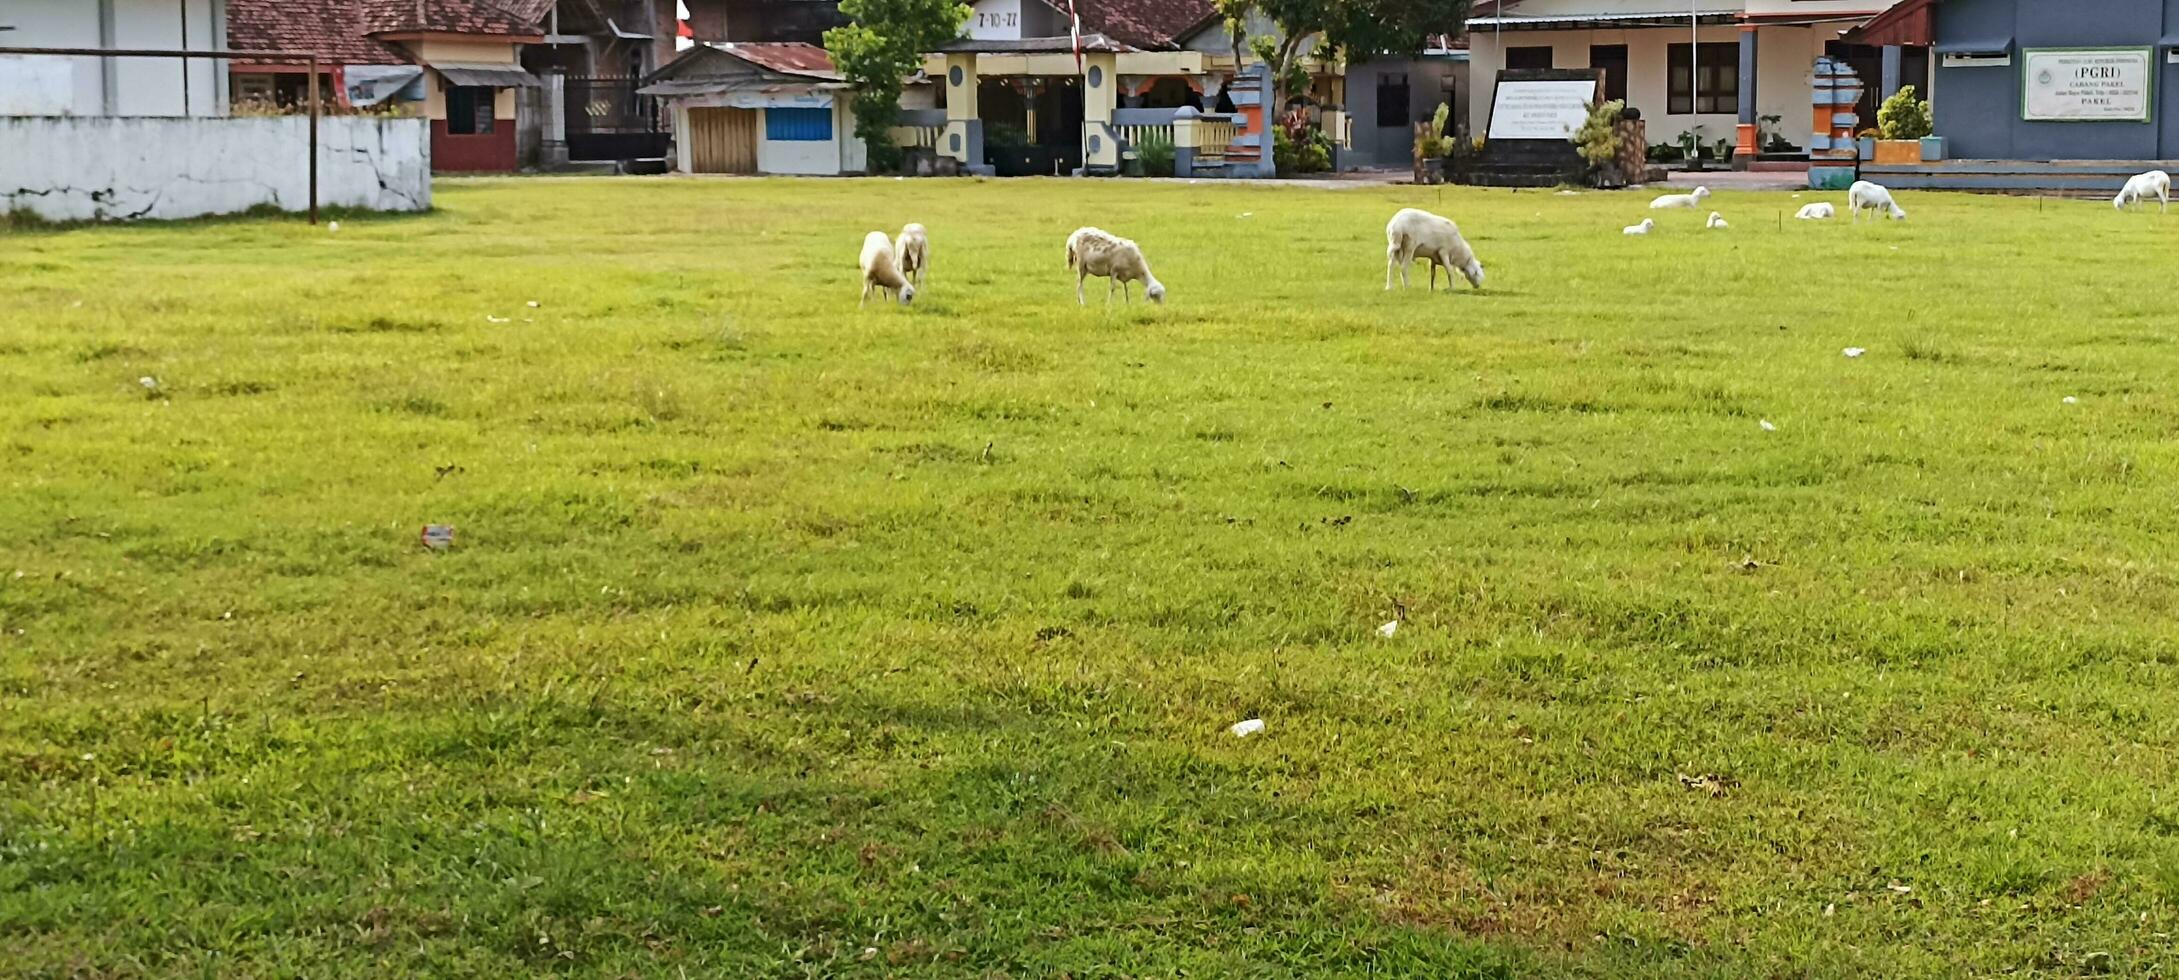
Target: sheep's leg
(1125,296)
(1392,258)
(866,294)
(1080,277)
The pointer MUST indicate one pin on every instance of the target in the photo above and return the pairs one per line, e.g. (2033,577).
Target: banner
(1540,110)
(2086,84)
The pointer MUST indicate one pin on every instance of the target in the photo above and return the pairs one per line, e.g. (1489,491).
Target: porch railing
(1215,136)
(913,137)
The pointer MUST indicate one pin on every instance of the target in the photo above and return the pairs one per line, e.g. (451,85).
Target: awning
(1986,45)
(488,76)
(748,95)
(1034,45)
(1559,22)
(369,85)
(1907,23)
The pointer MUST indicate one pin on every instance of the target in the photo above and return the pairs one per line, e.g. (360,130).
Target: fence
(1215,137)
(608,120)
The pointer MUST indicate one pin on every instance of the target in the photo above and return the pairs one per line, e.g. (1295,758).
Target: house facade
(1713,68)
(39,85)
(759,108)
(2027,80)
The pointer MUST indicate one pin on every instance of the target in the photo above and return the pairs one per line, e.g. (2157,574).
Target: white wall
(1785,57)
(142,86)
(113,168)
(805,156)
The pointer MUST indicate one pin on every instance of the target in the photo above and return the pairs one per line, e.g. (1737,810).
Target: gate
(607,120)
(723,141)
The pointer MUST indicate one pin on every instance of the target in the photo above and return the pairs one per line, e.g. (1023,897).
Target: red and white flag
(1074,32)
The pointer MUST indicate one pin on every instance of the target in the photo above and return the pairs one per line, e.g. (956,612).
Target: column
(963,139)
(1891,80)
(1749,132)
(1100,143)
(554,151)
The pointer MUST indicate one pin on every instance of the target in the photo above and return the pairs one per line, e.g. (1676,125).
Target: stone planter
(1898,151)
(1932,148)
(1433,170)
(1868,147)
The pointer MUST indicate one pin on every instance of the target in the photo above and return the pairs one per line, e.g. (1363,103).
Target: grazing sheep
(913,250)
(879,270)
(1094,252)
(1641,229)
(1819,211)
(1716,222)
(1413,234)
(2140,186)
(1691,201)
(1875,198)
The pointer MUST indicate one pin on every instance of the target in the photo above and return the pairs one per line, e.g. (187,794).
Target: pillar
(109,77)
(1891,80)
(963,139)
(1750,129)
(554,151)
(1186,138)
(1100,143)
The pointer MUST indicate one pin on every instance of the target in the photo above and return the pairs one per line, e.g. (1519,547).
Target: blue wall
(1978,109)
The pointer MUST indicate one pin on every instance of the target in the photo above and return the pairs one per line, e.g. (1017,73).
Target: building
(1713,68)
(2031,80)
(54,86)
(757,107)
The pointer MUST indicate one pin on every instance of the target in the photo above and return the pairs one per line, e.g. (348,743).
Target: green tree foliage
(1331,29)
(1903,117)
(880,47)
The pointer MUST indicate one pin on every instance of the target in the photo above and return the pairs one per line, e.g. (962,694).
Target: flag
(1074,33)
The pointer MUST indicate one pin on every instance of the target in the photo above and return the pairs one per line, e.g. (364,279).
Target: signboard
(2086,84)
(996,20)
(1540,110)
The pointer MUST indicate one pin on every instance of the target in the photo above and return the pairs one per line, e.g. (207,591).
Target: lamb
(913,249)
(880,271)
(1819,211)
(2140,186)
(1094,252)
(1413,234)
(1716,222)
(1641,229)
(1875,198)
(1691,201)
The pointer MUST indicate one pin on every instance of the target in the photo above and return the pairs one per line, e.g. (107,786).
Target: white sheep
(1413,234)
(880,271)
(1716,222)
(1691,201)
(1647,225)
(913,250)
(2140,186)
(1819,211)
(1094,252)
(1874,198)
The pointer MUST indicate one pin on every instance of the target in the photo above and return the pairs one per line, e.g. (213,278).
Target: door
(1611,59)
(723,141)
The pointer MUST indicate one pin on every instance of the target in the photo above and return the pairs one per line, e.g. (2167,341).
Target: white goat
(879,270)
(1641,229)
(2140,186)
(1094,252)
(1873,197)
(913,251)
(1691,201)
(1716,222)
(1819,211)
(1413,234)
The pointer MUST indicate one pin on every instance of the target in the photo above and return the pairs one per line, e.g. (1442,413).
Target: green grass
(787,638)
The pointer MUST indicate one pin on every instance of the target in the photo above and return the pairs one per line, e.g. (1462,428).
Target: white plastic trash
(1243,729)
(2070,400)
(1854,351)
(1388,629)
(1767,427)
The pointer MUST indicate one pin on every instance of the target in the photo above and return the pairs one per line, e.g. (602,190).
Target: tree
(1903,116)
(1330,29)
(880,47)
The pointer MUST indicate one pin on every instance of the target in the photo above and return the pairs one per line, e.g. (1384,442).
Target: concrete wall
(1394,146)
(116,86)
(810,156)
(1977,109)
(110,168)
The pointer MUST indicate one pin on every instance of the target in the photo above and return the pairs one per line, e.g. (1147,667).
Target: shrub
(1155,150)
(1598,138)
(1904,117)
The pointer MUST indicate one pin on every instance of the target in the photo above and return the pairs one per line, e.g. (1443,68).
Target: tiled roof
(491,17)
(331,29)
(1151,24)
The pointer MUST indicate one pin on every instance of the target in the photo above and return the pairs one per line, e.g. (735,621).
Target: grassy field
(786,638)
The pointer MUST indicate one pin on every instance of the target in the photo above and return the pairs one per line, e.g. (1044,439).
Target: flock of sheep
(889,264)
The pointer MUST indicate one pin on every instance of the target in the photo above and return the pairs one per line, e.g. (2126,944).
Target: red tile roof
(330,29)
(789,57)
(489,17)
(1152,24)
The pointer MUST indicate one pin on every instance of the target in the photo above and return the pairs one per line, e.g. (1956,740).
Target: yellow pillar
(1100,87)
(964,136)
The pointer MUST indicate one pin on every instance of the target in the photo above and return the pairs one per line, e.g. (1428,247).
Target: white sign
(996,20)
(2071,84)
(1540,110)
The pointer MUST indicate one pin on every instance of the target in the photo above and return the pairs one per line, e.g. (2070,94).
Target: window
(1392,101)
(469,110)
(798,125)
(1611,59)
(1529,59)
(1716,87)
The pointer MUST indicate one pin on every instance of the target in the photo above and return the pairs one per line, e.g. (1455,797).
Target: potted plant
(1598,142)
(1866,140)
(1901,123)
(1432,146)
(1724,150)
(1691,147)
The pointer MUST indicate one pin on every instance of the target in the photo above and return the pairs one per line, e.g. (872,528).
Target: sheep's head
(1701,192)
(907,293)
(1474,272)
(1154,291)
(1898,213)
